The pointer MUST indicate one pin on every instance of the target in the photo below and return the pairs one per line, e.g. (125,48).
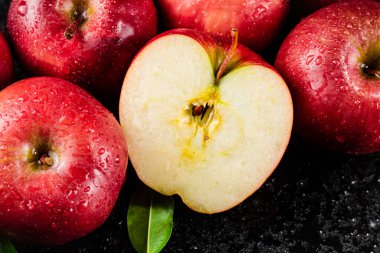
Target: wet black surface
(315,201)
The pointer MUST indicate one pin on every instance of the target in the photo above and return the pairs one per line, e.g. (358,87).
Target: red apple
(63,161)
(89,42)
(204,119)
(257,21)
(6,63)
(331,61)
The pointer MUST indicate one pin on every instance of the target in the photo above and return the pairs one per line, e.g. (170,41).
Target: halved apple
(204,119)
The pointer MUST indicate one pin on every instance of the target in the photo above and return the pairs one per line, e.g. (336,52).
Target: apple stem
(230,54)
(79,17)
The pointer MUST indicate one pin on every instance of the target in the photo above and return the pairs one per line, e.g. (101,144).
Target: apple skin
(217,47)
(6,63)
(336,102)
(258,21)
(74,195)
(98,54)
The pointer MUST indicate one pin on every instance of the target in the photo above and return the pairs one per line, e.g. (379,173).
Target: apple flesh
(258,21)
(204,119)
(334,76)
(6,63)
(89,42)
(63,161)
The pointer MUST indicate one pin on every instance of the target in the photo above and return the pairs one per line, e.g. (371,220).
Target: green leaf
(149,220)
(6,246)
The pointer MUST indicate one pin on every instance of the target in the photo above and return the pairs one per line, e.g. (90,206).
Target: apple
(89,42)
(6,63)
(258,21)
(204,118)
(331,62)
(63,161)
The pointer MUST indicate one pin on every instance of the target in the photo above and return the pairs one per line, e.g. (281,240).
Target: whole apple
(63,161)
(331,62)
(6,63)
(258,21)
(206,119)
(89,42)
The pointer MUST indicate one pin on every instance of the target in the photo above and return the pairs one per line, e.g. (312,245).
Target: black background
(315,201)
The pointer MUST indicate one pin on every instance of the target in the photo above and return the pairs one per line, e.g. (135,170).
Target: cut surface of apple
(212,141)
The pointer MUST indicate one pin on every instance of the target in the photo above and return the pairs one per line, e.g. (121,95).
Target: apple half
(206,119)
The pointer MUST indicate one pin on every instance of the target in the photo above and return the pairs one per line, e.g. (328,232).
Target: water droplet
(87,189)
(360,93)
(82,206)
(309,59)
(117,159)
(49,204)
(336,63)
(71,194)
(30,205)
(101,151)
(23,114)
(22,8)
(67,118)
(318,61)
(54,225)
(259,11)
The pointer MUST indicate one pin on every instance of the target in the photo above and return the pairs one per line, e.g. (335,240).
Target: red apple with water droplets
(6,63)
(334,75)
(89,42)
(257,21)
(63,161)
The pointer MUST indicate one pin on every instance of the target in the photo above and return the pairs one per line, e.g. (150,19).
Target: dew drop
(30,205)
(22,8)
(318,61)
(87,189)
(71,194)
(49,204)
(54,225)
(309,59)
(360,93)
(82,206)
(101,151)
(335,63)
(68,118)
(259,11)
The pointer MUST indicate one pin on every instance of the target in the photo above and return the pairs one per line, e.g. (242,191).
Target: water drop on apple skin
(260,10)
(22,8)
